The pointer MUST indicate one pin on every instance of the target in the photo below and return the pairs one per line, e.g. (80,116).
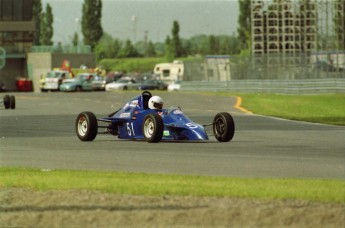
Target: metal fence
(302,86)
(84,49)
(269,67)
(270,73)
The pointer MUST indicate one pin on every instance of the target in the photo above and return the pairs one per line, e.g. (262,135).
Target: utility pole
(145,42)
(134,20)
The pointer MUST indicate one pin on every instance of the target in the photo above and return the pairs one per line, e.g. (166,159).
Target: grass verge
(325,108)
(331,191)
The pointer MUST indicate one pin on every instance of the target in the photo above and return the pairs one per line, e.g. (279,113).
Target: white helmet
(156,102)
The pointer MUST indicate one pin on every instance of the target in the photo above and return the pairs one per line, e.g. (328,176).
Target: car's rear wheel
(12,102)
(86,126)
(223,127)
(7,101)
(153,128)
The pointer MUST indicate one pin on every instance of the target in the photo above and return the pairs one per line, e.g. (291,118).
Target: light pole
(77,20)
(134,20)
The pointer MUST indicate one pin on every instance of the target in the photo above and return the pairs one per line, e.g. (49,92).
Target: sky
(131,19)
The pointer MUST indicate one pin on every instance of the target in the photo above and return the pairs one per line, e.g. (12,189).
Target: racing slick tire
(12,102)
(7,101)
(223,127)
(86,126)
(153,128)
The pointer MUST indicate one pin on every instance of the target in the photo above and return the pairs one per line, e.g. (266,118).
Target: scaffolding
(289,32)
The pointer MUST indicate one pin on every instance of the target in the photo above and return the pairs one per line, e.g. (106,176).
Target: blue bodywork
(127,122)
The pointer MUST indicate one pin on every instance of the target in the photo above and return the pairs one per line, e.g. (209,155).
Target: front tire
(223,127)
(153,128)
(86,126)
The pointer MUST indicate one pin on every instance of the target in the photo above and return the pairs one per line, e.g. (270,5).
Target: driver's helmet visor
(157,105)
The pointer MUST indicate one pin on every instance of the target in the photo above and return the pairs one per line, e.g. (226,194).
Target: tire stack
(9,102)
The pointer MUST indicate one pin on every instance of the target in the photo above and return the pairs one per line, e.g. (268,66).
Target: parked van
(170,72)
(53,80)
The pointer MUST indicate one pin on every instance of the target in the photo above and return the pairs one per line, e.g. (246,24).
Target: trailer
(169,72)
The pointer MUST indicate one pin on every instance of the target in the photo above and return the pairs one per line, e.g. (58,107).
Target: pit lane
(40,133)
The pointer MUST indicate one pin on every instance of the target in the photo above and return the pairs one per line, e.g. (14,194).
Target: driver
(156,102)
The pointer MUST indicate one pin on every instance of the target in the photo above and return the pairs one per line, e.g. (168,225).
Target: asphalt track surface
(40,133)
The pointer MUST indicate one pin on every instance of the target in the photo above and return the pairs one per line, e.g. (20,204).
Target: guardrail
(336,85)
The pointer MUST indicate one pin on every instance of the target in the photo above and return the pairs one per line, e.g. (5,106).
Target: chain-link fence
(267,67)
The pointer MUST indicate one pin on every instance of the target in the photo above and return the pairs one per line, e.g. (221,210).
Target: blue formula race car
(143,118)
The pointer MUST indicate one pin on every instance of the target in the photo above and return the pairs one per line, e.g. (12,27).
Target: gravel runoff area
(83,208)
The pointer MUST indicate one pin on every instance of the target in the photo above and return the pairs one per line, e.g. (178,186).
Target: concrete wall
(40,63)
(14,69)
(75,60)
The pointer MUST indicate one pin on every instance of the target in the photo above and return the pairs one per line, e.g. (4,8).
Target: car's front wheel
(86,126)
(223,127)
(153,128)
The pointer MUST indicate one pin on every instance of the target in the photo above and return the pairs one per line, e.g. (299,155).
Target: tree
(75,40)
(244,24)
(128,51)
(37,12)
(108,47)
(213,45)
(91,22)
(176,42)
(150,50)
(169,50)
(232,45)
(199,45)
(47,30)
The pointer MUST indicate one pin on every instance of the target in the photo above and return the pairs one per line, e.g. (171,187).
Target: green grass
(174,185)
(328,109)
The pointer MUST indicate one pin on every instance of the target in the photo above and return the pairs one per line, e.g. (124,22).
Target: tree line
(106,46)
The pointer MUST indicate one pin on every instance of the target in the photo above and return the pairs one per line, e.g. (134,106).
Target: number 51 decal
(130,129)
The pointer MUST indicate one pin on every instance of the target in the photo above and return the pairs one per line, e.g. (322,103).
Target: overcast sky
(129,19)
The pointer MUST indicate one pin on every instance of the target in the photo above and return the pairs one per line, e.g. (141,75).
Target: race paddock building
(20,58)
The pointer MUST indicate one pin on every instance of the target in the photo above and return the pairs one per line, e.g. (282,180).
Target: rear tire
(223,127)
(153,128)
(86,126)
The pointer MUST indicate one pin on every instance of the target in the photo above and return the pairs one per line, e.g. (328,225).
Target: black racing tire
(223,127)
(146,93)
(12,102)
(7,101)
(153,128)
(78,89)
(86,126)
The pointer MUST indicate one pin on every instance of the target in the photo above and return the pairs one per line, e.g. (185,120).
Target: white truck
(53,80)
(170,72)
